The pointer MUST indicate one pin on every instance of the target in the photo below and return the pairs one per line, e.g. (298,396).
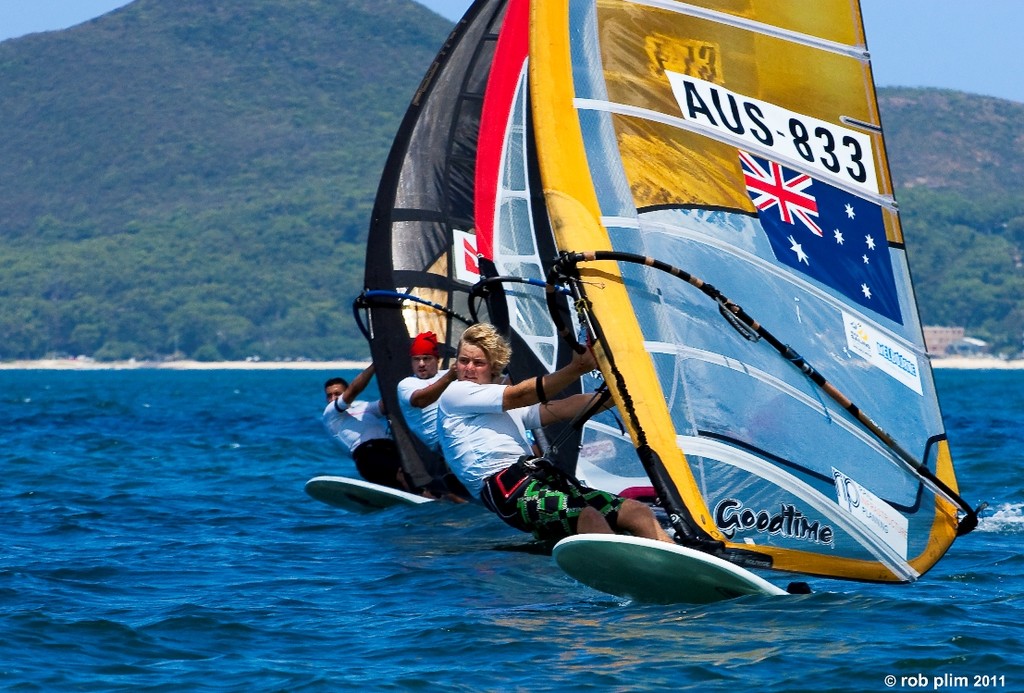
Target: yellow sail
(715,158)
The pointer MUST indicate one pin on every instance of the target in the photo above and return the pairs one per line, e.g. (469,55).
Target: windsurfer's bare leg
(639,520)
(590,521)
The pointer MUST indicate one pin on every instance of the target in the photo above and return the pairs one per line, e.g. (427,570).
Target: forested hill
(195,178)
(957,162)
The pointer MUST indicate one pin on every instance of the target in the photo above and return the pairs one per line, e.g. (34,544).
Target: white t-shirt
(478,438)
(422,422)
(356,423)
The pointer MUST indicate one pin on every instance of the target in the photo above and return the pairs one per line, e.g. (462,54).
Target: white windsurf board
(356,495)
(656,572)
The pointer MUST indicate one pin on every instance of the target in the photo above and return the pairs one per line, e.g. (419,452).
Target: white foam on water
(1006,517)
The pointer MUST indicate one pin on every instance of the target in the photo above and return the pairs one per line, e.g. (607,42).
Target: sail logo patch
(597,450)
(883,353)
(464,256)
(824,233)
(877,516)
(834,151)
(733,518)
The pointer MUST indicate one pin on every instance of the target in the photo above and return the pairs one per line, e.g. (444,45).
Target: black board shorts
(379,462)
(544,501)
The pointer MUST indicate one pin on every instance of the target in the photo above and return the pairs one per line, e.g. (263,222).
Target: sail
(421,258)
(464,150)
(514,238)
(716,175)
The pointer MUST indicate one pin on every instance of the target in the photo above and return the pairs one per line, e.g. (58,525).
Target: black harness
(502,490)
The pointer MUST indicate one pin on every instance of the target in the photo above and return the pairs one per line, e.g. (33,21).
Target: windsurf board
(655,571)
(356,495)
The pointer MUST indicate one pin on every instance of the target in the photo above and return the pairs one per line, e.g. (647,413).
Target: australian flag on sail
(825,233)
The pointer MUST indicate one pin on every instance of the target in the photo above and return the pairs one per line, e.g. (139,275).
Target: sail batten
(854,51)
(761,266)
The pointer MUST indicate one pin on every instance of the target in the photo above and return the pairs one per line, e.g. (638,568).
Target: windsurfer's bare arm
(529,392)
(565,408)
(432,392)
(358,384)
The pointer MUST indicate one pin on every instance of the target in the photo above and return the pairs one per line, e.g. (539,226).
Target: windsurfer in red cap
(417,400)
(418,394)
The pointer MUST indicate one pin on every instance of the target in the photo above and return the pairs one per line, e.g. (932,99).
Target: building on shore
(938,339)
(952,341)
(968,346)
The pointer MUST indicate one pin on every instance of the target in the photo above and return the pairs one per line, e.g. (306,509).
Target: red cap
(424,344)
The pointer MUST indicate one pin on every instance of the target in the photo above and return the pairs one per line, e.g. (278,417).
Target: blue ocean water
(156,537)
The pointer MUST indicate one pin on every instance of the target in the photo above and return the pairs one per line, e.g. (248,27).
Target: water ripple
(157,538)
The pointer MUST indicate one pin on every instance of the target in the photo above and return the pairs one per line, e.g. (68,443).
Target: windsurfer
(417,400)
(418,393)
(361,428)
(482,429)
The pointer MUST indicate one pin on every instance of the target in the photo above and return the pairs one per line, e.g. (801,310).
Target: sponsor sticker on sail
(880,518)
(464,256)
(883,353)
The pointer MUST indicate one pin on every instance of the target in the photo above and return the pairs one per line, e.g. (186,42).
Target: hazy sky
(969,46)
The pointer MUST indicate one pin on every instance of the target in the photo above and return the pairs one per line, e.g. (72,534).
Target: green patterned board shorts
(551,514)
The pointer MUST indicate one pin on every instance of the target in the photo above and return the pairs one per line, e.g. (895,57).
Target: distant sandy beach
(962,363)
(90,365)
(980,363)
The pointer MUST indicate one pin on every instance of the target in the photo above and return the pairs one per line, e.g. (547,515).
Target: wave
(1007,518)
